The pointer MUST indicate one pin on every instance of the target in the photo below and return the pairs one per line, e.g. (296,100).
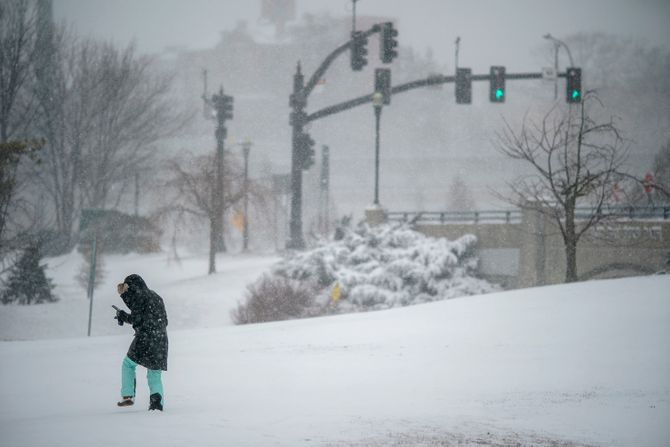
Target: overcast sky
(493,32)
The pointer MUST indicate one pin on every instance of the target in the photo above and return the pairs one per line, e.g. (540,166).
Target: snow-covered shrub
(274,298)
(385,266)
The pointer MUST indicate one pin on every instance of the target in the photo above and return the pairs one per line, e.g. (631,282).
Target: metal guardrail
(486,216)
(630,212)
(514,216)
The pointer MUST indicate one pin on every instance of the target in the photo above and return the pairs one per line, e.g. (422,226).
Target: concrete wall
(531,253)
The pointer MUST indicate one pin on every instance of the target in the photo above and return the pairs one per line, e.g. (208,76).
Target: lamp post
(377,103)
(557,44)
(246,148)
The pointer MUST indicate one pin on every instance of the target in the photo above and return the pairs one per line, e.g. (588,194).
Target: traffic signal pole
(301,143)
(223,106)
(298,102)
(298,119)
(419,83)
(218,191)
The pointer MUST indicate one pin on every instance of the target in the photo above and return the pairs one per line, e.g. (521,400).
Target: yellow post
(335,294)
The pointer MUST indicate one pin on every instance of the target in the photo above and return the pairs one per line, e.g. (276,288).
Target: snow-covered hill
(577,364)
(193,298)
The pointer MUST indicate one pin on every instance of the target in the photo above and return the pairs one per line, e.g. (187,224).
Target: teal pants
(128,379)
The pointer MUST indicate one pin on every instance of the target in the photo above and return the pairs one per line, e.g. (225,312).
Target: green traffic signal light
(574,84)
(497,84)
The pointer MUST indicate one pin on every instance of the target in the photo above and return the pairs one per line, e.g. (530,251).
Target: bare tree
(134,112)
(11,154)
(192,183)
(68,111)
(575,161)
(102,117)
(194,186)
(17,56)
(17,53)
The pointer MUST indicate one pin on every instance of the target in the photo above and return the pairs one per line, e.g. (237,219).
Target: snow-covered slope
(585,363)
(193,298)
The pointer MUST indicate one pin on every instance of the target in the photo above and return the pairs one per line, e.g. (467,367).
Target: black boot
(126,401)
(155,402)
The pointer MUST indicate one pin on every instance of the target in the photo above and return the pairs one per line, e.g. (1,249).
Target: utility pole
(377,102)
(298,101)
(217,198)
(137,194)
(353,16)
(458,45)
(324,191)
(223,106)
(91,280)
(557,44)
(90,222)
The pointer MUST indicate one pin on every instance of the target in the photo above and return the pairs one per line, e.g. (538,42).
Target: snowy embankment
(193,298)
(577,364)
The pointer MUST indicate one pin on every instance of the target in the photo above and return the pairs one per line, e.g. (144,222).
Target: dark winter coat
(149,319)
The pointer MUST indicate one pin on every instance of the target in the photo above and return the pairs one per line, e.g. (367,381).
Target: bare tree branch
(576,162)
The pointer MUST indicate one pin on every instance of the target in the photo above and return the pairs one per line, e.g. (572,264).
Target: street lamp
(557,44)
(377,102)
(246,148)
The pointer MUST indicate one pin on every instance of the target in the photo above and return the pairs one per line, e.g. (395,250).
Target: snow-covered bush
(386,266)
(274,298)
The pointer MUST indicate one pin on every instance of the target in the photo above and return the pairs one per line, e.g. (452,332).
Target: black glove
(121,316)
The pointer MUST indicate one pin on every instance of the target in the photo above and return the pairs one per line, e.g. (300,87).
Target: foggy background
(430,146)
(492,31)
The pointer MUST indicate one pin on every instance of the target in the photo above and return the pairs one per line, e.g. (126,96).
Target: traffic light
(227,107)
(359,52)
(497,84)
(306,150)
(574,84)
(463,86)
(383,83)
(223,104)
(387,49)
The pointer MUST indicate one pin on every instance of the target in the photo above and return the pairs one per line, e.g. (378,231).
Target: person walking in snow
(150,344)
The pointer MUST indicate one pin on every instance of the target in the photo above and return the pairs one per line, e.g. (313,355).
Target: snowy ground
(581,364)
(193,298)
